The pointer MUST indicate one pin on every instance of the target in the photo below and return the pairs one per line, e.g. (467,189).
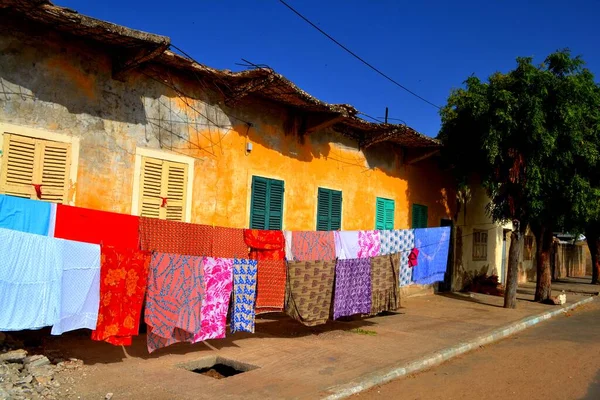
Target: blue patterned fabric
(25,215)
(30,280)
(433,244)
(399,241)
(244,295)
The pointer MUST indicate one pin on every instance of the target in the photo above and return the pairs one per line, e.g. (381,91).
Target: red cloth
(229,243)
(413,258)
(175,237)
(123,279)
(268,247)
(98,227)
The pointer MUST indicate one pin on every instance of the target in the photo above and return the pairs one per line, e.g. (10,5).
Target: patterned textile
(433,244)
(268,247)
(399,241)
(369,244)
(174,299)
(218,277)
(352,287)
(80,286)
(24,215)
(244,295)
(309,291)
(346,244)
(313,246)
(228,243)
(123,280)
(98,227)
(384,283)
(30,280)
(289,254)
(175,237)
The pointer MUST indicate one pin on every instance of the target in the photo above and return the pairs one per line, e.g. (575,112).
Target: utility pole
(386,115)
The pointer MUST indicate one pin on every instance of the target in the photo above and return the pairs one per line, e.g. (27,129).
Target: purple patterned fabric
(352,287)
(369,244)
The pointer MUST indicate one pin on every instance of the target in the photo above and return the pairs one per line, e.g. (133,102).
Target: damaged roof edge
(262,82)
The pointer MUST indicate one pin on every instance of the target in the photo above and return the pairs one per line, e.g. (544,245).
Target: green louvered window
(329,210)
(419,216)
(266,205)
(384,214)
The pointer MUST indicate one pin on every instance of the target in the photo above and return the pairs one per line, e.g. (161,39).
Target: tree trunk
(592,234)
(512,275)
(543,241)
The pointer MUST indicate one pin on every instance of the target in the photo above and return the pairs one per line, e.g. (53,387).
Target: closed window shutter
(329,210)
(419,216)
(29,161)
(276,190)
(389,214)
(380,214)
(258,206)
(336,210)
(160,180)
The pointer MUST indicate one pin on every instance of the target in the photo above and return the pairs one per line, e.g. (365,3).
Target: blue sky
(428,46)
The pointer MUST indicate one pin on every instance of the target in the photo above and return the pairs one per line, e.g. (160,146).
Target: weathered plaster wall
(65,86)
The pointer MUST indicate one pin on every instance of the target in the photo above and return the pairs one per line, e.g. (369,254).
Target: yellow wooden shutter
(163,179)
(27,161)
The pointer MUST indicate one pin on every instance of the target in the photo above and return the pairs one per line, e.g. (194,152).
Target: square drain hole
(217,367)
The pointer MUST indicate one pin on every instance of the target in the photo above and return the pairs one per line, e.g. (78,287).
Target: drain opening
(217,367)
(218,371)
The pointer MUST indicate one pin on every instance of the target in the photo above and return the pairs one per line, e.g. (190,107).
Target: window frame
(140,153)
(477,243)
(42,134)
(331,193)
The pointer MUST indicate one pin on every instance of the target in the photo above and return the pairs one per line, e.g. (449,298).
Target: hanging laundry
(98,227)
(309,291)
(25,215)
(399,241)
(30,280)
(352,293)
(244,295)
(175,237)
(384,283)
(174,299)
(369,244)
(313,246)
(123,280)
(433,244)
(268,247)
(52,222)
(228,243)
(413,258)
(346,244)
(289,253)
(218,280)
(80,286)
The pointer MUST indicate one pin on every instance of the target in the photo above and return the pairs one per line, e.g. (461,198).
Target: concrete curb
(440,356)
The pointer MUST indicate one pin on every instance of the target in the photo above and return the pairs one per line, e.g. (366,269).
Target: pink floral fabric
(369,244)
(218,278)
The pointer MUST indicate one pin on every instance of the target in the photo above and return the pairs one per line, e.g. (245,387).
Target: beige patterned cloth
(310,290)
(385,294)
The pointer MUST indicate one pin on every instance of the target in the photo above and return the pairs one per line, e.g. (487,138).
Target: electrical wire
(368,64)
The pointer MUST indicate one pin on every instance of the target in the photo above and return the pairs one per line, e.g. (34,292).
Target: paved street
(558,359)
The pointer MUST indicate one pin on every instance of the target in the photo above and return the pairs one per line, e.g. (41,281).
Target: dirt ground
(558,359)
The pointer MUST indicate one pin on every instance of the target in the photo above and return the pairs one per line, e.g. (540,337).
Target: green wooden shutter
(275,219)
(329,210)
(258,204)
(384,213)
(336,210)
(419,216)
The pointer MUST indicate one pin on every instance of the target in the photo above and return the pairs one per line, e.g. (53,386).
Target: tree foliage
(532,136)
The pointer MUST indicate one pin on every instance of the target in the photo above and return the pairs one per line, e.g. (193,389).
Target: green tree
(531,137)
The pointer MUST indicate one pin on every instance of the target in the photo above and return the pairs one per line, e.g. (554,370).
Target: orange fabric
(175,237)
(229,243)
(123,279)
(268,247)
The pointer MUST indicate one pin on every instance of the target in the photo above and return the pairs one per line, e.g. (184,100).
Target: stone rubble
(24,377)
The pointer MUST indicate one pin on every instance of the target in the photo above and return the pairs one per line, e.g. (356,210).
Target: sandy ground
(558,359)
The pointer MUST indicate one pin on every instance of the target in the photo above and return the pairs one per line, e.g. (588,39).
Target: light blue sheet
(433,244)
(25,215)
(30,280)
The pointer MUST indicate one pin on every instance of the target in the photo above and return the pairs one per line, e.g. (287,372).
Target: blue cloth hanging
(25,215)
(433,244)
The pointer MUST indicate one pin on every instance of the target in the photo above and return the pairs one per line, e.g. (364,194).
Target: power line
(358,57)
